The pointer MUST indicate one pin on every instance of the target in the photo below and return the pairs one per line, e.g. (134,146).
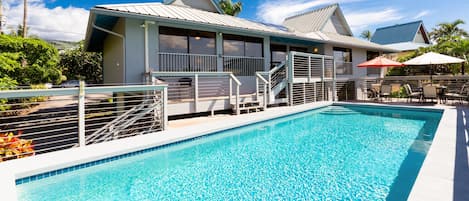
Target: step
(247,104)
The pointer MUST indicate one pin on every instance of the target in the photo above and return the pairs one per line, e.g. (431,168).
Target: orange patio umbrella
(380,62)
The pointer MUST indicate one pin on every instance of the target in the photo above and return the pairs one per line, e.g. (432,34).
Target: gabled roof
(199,4)
(181,15)
(317,19)
(399,33)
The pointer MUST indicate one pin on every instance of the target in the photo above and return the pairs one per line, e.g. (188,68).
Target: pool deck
(443,176)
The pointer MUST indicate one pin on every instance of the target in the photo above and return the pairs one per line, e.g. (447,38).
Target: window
(279,54)
(343,58)
(186,50)
(173,40)
(242,46)
(242,55)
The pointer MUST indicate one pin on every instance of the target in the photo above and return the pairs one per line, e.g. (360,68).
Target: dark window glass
(253,49)
(202,42)
(173,40)
(369,56)
(343,54)
(299,49)
(242,46)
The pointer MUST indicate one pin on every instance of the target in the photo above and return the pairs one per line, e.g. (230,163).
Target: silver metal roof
(179,14)
(406,46)
(316,18)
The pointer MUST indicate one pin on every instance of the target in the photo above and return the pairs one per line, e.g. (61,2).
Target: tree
(366,35)
(81,65)
(230,8)
(448,31)
(28,60)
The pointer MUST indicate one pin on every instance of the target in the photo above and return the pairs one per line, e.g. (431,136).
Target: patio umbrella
(380,62)
(431,59)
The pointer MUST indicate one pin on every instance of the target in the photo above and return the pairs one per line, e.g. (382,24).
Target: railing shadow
(461,166)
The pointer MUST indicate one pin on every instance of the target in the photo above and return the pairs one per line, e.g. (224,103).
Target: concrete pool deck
(443,176)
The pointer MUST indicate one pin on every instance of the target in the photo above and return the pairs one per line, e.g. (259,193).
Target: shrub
(12,147)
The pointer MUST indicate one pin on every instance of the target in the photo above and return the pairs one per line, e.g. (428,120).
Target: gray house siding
(135,51)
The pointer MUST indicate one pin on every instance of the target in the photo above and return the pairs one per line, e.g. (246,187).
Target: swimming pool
(337,152)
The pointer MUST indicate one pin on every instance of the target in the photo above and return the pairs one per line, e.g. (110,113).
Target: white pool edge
(444,141)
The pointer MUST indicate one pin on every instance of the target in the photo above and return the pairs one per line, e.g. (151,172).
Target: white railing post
(271,99)
(309,68)
(237,99)
(323,63)
(265,96)
(231,89)
(334,83)
(81,114)
(257,87)
(196,92)
(165,108)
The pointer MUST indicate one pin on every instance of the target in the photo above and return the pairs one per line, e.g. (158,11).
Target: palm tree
(230,8)
(366,35)
(448,31)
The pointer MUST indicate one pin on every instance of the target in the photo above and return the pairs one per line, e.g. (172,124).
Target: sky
(67,19)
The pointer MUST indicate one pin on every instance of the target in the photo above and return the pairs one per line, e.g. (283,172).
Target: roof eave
(89,29)
(115,13)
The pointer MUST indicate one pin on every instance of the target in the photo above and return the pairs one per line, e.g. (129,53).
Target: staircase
(277,84)
(130,122)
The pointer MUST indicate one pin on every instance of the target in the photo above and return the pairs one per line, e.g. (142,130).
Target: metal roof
(191,16)
(406,46)
(338,39)
(397,33)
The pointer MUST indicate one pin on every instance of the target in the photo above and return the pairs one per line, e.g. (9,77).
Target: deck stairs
(121,125)
(277,83)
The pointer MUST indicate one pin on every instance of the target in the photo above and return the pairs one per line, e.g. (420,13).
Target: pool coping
(21,168)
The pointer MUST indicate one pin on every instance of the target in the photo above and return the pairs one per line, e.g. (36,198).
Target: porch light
(197,38)
(315,50)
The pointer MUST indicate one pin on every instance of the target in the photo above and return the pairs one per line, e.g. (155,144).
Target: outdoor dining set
(424,92)
(433,92)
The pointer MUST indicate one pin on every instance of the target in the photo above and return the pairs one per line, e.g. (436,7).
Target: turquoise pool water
(332,153)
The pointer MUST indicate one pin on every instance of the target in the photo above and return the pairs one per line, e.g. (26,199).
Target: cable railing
(344,68)
(45,120)
(195,87)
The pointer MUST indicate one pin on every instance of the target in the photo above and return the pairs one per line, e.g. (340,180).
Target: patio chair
(461,95)
(410,94)
(429,92)
(385,91)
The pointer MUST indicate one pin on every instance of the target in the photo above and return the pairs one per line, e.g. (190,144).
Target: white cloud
(275,11)
(57,23)
(360,20)
(421,14)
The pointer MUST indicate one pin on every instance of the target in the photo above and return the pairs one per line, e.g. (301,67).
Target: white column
(219,51)
(81,115)
(267,56)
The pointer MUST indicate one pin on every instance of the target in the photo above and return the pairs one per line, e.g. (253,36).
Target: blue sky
(66,19)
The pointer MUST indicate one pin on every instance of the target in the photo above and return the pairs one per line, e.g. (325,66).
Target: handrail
(276,68)
(187,54)
(74,91)
(262,78)
(319,56)
(231,76)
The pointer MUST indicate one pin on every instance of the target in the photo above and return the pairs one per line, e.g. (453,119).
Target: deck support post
(265,96)
(81,115)
(323,63)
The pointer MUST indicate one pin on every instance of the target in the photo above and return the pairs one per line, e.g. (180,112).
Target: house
(406,37)
(204,54)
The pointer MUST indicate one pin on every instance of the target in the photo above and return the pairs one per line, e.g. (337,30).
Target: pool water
(332,153)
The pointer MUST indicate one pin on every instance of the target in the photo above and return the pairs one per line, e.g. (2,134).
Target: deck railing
(243,66)
(192,86)
(177,62)
(46,120)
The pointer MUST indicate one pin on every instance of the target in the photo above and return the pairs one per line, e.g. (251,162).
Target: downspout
(123,45)
(146,47)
